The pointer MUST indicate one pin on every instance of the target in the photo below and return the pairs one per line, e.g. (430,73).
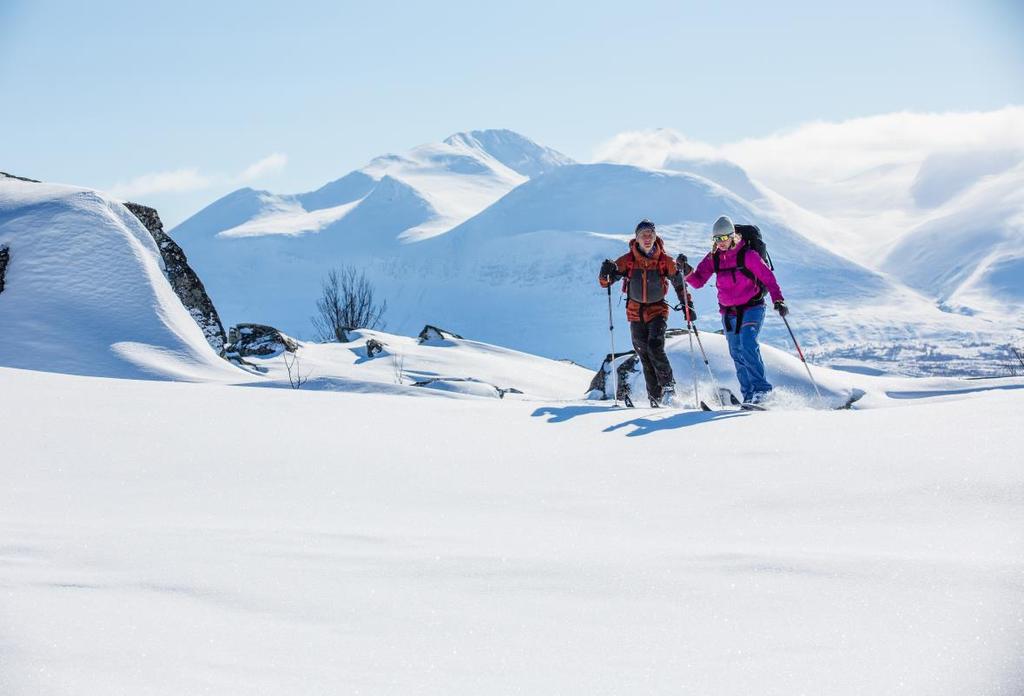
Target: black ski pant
(649,344)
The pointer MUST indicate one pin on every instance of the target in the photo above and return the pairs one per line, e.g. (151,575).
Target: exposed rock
(257,339)
(183,279)
(373,346)
(5,256)
(19,178)
(624,371)
(433,333)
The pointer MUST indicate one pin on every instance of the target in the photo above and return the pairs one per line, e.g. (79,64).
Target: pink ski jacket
(735,288)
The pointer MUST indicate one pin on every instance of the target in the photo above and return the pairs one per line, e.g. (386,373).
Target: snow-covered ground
(411,367)
(169,538)
(454,516)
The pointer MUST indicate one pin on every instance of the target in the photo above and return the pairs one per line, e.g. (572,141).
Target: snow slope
(352,543)
(970,254)
(533,255)
(446,366)
(85,293)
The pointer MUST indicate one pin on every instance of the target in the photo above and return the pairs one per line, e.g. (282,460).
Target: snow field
(188,538)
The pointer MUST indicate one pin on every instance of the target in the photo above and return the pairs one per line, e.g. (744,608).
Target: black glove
(781,308)
(689,306)
(684,265)
(609,269)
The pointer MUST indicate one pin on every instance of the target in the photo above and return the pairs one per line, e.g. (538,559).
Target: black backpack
(753,240)
(752,236)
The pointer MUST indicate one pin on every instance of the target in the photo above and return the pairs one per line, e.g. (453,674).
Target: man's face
(645,238)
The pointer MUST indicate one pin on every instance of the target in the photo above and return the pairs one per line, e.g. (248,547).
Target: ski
(855,396)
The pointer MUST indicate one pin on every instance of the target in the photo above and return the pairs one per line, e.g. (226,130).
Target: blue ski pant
(745,352)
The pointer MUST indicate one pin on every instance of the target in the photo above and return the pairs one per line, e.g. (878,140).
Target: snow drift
(85,292)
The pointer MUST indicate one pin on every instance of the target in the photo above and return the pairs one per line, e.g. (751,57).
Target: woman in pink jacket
(743,278)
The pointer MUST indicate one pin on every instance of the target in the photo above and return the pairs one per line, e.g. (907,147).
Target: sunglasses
(721,237)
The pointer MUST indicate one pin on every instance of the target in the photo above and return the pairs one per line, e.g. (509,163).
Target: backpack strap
(741,266)
(736,312)
(630,265)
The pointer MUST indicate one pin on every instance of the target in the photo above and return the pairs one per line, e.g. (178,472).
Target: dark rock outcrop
(624,370)
(183,279)
(20,178)
(5,256)
(373,346)
(257,339)
(433,333)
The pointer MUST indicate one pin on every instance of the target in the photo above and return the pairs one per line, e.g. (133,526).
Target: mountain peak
(514,150)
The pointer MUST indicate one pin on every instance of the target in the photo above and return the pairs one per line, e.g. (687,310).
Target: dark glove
(689,306)
(609,270)
(781,308)
(684,265)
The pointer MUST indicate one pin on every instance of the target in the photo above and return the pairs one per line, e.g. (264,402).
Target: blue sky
(102,93)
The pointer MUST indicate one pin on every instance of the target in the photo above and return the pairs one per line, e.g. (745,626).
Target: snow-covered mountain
(873,183)
(394,198)
(533,256)
(970,254)
(84,292)
(521,270)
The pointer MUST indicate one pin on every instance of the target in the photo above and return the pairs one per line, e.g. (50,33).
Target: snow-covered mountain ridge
(507,273)
(429,189)
(932,199)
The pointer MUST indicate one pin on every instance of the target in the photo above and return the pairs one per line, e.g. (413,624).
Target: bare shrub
(348,301)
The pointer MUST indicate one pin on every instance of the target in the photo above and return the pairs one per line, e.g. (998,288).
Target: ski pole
(802,358)
(714,382)
(693,328)
(693,357)
(611,356)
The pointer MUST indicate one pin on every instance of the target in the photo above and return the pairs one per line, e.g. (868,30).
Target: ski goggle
(721,237)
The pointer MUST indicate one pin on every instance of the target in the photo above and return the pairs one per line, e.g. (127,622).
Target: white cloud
(833,151)
(873,177)
(190,179)
(176,181)
(651,148)
(836,151)
(267,165)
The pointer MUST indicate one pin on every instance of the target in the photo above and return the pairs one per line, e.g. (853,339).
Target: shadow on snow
(643,425)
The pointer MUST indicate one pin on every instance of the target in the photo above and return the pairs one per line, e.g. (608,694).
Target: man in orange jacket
(648,270)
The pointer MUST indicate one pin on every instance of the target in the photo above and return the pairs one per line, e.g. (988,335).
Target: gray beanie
(723,225)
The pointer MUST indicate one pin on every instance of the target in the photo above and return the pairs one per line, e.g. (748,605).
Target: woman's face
(723,241)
